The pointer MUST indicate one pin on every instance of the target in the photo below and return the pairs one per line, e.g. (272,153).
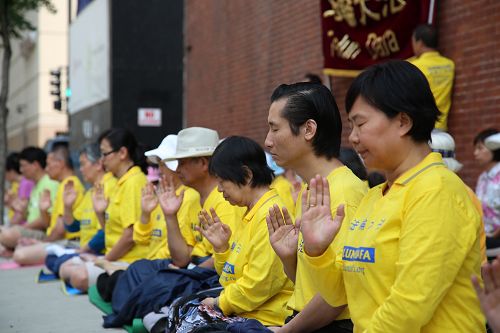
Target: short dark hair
(235,157)
(91,151)
(427,34)
(481,137)
(34,154)
(351,159)
(304,101)
(394,87)
(62,153)
(313,78)
(12,163)
(121,137)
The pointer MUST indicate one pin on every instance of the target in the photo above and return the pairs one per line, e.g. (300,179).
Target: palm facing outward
(217,233)
(283,234)
(69,194)
(169,201)
(99,200)
(317,225)
(489,297)
(45,202)
(148,199)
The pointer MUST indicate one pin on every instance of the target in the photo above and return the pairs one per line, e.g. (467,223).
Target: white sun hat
(167,147)
(492,142)
(443,143)
(194,142)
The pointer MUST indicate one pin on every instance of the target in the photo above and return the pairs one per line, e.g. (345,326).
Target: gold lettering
(343,11)
(344,48)
(382,46)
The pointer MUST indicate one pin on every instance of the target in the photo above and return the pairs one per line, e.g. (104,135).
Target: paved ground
(26,306)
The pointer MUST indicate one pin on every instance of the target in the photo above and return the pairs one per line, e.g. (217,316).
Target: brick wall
(238,51)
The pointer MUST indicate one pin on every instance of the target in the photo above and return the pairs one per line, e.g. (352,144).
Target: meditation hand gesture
(99,200)
(169,201)
(149,200)
(489,297)
(69,194)
(316,224)
(283,234)
(45,201)
(217,233)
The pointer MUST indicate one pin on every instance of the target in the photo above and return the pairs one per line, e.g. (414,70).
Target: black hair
(313,78)
(12,163)
(235,157)
(481,137)
(34,154)
(304,101)
(427,34)
(121,137)
(394,87)
(91,151)
(375,178)
(351,159)
(62,153)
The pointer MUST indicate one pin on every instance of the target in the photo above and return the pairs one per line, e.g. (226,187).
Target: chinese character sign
(360,33)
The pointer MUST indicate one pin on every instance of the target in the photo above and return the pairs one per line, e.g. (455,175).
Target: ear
(248,174)
(123,153)
(309,128)
(405,124)
(204,163)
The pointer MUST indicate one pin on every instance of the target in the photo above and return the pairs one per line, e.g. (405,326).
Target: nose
(268,142)
(353,136)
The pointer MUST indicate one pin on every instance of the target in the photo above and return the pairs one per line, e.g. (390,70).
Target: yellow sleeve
(188,215)
(220,259)
(425,270)
(131,203)
(325,273)
(262,277)
(142,232)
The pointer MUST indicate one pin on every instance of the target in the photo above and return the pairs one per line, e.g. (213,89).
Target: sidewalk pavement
(26,306)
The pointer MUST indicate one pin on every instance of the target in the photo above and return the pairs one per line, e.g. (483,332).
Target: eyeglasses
(104,154)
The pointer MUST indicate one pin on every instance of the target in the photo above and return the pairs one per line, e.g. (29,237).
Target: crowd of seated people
(295,241)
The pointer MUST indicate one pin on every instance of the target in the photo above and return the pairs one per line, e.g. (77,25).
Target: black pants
(336,326)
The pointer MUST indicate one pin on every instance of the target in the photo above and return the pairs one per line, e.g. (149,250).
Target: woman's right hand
(316,224)
(283,234)
(70,194)
(170,202)
(217,233)
(99,200)
(149,200)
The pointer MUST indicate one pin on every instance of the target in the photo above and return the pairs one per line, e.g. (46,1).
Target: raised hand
(45,201)
(316,224)
(149,200)
(283,234)
(70,194)
(489,297)
(169,201)
(99,200)
(217,233)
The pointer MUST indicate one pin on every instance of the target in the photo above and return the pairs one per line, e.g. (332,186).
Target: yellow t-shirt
(440,72)
(124,210)
(285,190)
(13,190)
(58,205)
(255,285)
(408,256)
(229,214)
(345,188)
(89,224)
(155,232)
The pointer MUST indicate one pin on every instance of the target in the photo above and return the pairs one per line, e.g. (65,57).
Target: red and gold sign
(360,33)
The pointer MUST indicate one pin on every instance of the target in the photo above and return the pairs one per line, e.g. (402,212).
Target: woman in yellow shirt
(117,215)
(255,285)
(414,241)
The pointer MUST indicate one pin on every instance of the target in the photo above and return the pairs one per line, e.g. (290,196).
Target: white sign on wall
(149,117)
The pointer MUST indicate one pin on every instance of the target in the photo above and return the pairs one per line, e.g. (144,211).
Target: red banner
(360,33)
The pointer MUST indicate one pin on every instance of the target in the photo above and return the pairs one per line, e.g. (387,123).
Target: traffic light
(55,83)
